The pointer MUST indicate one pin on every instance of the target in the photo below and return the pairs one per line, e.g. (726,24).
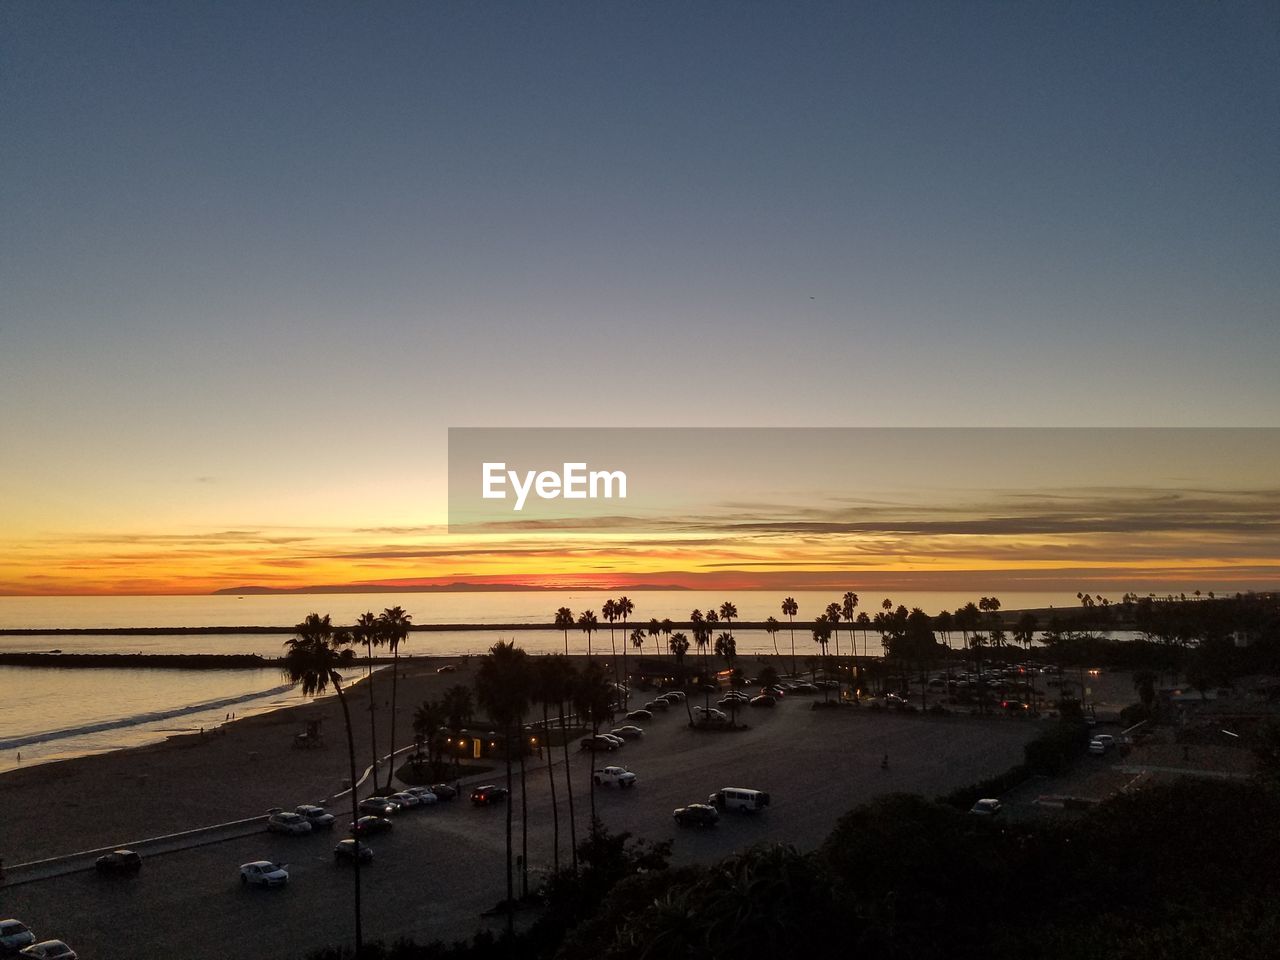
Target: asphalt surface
(439,868)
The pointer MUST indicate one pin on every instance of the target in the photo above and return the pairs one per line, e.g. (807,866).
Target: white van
(739,798)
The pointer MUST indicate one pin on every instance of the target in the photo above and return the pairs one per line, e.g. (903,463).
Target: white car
(424,795)
(1097,747)
(290,823)
(318,817)
(264,873)
(50,950)
(617,776)
(14,935)
(987,807)
(406,799)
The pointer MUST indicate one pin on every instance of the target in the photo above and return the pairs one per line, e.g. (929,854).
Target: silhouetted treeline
(175,661)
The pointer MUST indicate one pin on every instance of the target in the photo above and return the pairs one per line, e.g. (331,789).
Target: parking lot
(441,867)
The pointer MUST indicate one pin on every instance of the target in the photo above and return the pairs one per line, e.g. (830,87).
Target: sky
(257,259)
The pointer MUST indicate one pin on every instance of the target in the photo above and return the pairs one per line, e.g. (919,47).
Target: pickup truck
(616,776)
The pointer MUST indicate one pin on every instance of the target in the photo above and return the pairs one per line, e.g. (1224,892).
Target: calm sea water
(49,714)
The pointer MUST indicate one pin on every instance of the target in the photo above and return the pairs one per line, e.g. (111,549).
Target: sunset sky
(257,259)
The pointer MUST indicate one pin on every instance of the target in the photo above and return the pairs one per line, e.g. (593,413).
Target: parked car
(447,668)
(775,691)
(1106,739)
(640,715)
(696,815)
(614,776)
(677,695)
(290,823)
(658,704)
(598,743)
(347,850)
(368,825)
(739,798)
(987,807)
(317,816)
(1097,747)
(804,688)
(50,950)
(426,796)
(407,800)
(377,806)
(14,936)
(118,861)
(264,873)
(627,732)
(764,700)
(443,791)
(488,795)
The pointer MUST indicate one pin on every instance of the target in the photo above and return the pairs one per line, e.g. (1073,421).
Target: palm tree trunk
(793,645)
(509,905)
(524,822)
(373,726)
(551,775)
(591,778)
(568,789)
(391,748)
(355,812)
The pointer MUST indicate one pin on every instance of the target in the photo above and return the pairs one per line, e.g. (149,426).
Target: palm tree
(624,608)
(313,659)
(679,646)
(587,623)
(667,626)
(790,608)
(847,607)
(655,631)
(695,621)
(593,700)
(637,640)
(833,617)
(727,612)
(727,647)
(610,612)
(822,636)
(771,627)
(427,721)
(502,688)
(547,689)
(368,633)
(561,679)
(395,628)
(564,621)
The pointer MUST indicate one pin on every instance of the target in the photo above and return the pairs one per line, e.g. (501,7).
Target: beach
(236,770)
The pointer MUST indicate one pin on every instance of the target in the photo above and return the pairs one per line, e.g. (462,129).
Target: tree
(456,703)
(1144,682)
(624,609)
(368,633)
(789,609)
(637,640)
(593,700)
(822,636)
(655,631)
(849,603)
(679,646)
(667,627)
(771,627)
(502,689)
(427,721)
(313,658)
(548,689)
(564,622)
(558,679)
(833,617)
(727,612)
(610,613)
(395,629)
(588,623)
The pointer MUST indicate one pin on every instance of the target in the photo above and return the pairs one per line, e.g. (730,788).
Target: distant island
(460,587)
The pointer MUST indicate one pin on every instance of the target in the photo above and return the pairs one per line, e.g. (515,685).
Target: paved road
(439,868)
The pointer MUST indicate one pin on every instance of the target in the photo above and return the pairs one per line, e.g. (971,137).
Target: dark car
(119,861)
(443,791)
(764,700)
(658,704)
(598,743)
(347,850)
(367,825)
(488,794)
(696,815)
(378,806)
(645,714)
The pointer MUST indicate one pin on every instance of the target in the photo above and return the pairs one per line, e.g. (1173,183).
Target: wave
(142,718)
